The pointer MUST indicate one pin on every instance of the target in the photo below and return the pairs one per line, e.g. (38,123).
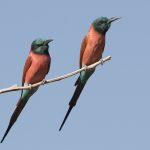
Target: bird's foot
(43,81)
(85,68)
(30,86)
(102,62)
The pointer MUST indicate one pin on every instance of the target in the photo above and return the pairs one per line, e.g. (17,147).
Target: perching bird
(36,67)
(91,51)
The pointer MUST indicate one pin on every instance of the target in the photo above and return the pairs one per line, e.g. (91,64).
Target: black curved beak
(48,41)
(113,19)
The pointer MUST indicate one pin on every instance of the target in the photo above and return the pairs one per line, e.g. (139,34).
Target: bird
(36,67)
(91,51)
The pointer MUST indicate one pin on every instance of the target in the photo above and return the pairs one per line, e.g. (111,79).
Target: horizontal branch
(16,87)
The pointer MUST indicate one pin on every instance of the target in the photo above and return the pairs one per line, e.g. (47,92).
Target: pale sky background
(113,112)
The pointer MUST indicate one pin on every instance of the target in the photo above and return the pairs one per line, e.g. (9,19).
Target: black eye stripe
(34,46)
(39,44)
(102,22)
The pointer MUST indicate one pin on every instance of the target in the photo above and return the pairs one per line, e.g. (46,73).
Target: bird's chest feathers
(40,64)
(40,59)
(94,48)
(96,42)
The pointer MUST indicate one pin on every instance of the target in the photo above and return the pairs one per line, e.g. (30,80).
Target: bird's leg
(43,81)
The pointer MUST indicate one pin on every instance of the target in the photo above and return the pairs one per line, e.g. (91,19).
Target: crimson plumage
(36,67)
(91,51)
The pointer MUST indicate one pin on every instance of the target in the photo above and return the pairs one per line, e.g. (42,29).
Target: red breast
(94,48)
(38,69)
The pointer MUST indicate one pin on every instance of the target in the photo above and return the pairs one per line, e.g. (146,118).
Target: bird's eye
(101,22)
(39,45)
(34,46)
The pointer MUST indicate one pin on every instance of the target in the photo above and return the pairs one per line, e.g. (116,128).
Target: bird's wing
(26,68)
(83,46)
(49,63)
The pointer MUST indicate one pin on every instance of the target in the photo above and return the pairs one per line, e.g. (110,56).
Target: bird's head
(102,24)
(40,46)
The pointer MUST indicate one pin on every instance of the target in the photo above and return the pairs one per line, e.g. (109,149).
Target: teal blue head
(102,24)
(40,46)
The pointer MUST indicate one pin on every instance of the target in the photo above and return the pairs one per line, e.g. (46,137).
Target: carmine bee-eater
(36,67)
(91,51)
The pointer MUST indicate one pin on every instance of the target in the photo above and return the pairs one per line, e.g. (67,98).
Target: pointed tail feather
(9,127)
(78,80)
(67,114)
(73,101)
(14,116)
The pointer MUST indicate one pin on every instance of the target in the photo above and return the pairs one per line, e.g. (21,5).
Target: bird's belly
(91,57)
(37,73)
